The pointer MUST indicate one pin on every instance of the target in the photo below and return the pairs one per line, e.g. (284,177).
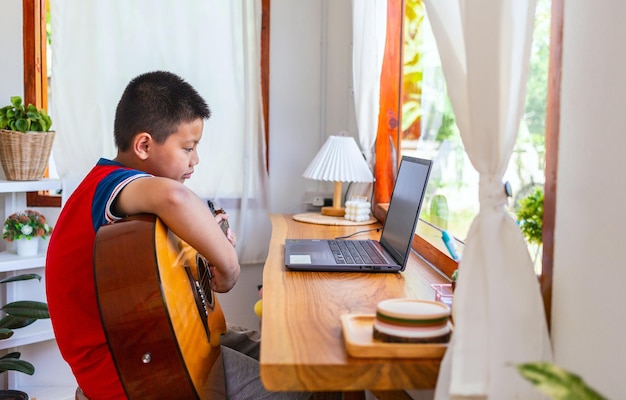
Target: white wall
(589,321)
(310,61)
(310,98)
(12,65)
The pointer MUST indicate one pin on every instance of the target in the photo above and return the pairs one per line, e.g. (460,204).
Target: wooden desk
(302,347)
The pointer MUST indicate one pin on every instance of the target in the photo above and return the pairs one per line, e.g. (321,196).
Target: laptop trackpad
(309,253)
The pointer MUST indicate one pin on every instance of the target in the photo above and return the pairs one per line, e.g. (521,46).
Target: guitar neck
(224,224)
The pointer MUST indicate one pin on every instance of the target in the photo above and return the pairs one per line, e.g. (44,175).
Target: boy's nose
(194,159)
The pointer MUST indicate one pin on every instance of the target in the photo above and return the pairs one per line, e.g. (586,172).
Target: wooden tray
(358,335)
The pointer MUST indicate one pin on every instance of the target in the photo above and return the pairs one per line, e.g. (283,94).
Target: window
(35,36)
(429,129)
(428,139)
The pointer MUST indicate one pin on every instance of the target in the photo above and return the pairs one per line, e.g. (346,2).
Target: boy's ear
(141,145)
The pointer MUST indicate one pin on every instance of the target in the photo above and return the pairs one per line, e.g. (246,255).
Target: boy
(158,125)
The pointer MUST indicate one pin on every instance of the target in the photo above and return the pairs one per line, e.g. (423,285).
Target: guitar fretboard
(224,224)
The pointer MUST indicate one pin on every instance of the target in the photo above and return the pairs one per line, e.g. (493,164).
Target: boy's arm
(188,217)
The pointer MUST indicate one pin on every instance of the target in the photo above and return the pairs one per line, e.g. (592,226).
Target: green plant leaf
(16,101)
(556,382)
(530,216)
(27,309)
(12,322)
(13,354)
(5,333)
(33,114)
(13,364)
(46,123)
(35,126)
(22,125)
(22,277)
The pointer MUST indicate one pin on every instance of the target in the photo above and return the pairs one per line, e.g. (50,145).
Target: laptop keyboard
(355,252)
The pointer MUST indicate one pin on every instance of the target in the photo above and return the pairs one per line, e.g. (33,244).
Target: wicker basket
(25,156)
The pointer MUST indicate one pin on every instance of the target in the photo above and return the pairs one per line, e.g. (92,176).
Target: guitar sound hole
(204,280)
(202,293)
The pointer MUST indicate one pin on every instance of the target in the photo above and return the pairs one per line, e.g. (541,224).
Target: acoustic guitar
(162,320)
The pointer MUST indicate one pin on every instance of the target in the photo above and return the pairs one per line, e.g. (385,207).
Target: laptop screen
(410,186)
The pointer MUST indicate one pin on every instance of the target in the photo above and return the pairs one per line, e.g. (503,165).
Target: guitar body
(162,321)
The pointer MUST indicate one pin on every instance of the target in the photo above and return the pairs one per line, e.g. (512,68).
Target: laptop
(391,252)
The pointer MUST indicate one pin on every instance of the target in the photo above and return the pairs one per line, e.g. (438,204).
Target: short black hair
(156,102)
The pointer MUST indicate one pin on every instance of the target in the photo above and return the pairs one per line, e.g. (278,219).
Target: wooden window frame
(388,149)
(35,75)
(36,79)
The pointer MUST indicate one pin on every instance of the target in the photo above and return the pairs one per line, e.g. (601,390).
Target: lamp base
(334,212)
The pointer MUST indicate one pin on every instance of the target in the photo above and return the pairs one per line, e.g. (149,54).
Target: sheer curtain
(498,312)
(369,26)
(98,47)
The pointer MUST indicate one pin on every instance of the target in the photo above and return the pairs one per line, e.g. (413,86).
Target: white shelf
(49,392)
(53,379)
(39,331)
(12,262)
(29,186)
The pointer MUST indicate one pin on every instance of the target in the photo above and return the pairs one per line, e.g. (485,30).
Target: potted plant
(24,228)
(530,219)
(25,140)
(18,314)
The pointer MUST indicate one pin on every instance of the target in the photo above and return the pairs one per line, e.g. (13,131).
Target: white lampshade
(339,160)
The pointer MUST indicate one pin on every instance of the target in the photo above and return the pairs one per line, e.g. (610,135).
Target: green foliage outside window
(530,216)
(413,69)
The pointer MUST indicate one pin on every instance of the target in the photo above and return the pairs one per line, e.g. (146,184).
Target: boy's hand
(221,283)
(222,218)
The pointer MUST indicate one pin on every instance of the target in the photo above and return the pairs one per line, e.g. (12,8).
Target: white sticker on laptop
(300,259)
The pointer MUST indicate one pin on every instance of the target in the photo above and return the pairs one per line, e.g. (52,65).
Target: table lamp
(339,160)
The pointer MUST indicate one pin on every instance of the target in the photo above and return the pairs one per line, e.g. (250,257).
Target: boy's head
(156,102)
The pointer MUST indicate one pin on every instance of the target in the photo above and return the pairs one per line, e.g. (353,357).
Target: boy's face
(176,157)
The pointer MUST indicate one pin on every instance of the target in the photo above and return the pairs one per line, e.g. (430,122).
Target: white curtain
(369,27)
(99,46)
(498,312)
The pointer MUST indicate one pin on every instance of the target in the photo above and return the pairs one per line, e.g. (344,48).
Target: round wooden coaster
(317,218)
(388,338)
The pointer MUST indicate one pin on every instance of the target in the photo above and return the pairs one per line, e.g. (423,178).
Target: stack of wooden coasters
(412,321)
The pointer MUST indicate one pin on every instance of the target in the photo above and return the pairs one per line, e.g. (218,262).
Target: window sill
(427,243)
